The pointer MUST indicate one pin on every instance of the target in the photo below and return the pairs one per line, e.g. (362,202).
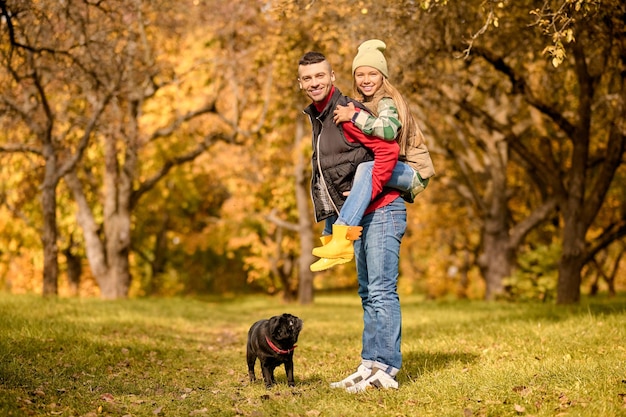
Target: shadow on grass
(416,364)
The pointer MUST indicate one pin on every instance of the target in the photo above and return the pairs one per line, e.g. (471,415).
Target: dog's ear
(274,323)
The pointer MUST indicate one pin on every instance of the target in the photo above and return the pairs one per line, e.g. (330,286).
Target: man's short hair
(311,58)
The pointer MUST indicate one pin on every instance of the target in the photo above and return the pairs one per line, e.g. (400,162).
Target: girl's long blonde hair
(410,134)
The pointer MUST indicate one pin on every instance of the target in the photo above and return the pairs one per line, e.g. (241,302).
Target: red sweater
(385,158)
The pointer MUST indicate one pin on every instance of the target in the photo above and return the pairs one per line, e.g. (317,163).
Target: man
(337,151)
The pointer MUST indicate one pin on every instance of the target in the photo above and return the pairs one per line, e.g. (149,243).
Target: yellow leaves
(585,5)
(557,52)
(557,49)
(426,4)
(559,26)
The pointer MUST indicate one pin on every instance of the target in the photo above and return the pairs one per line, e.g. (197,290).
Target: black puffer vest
(334,159)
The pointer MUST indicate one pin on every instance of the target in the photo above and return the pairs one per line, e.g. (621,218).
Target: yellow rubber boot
(325,239)
(324,263)
(340,245)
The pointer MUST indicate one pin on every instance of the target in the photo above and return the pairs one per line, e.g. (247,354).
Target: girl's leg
(361,193)
(407,180)
(340,247)
(328,225)
(359,198)
(344,228)
(401,178)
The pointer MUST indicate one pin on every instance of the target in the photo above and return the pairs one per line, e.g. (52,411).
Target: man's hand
(344,113)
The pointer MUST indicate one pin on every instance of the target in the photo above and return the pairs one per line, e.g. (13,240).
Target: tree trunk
(572,257)
(93,245)
(568,291)
(461,291)
(109,264)
(118,183)
(117,232)
(74,268)
(305,287)
(49,232)
(497,257)
(496,261)
(159,257)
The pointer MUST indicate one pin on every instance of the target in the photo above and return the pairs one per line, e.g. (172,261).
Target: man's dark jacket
(334,159)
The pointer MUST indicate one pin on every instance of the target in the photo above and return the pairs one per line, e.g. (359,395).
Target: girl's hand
(344,113)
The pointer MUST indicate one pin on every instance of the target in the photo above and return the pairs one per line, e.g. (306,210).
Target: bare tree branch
(172,127)
(171,163)
(272,217)
(20,148)
(520,86)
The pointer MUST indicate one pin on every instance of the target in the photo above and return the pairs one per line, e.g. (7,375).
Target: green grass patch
(186,357)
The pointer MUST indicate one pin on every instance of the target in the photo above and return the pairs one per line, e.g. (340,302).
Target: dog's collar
(277,349)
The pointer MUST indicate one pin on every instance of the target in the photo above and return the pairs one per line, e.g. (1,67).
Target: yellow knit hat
(370,54)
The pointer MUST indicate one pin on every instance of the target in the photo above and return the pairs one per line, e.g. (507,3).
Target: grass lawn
(186,357)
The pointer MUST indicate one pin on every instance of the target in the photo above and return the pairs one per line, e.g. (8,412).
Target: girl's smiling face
(368,80)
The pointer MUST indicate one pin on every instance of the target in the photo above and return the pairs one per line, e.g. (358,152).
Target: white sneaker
(360,375)
(377,379)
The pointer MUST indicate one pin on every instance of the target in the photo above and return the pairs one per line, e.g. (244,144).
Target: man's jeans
(377,256)
(361,193)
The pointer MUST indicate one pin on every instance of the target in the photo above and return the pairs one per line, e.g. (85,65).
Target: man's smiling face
(316,80)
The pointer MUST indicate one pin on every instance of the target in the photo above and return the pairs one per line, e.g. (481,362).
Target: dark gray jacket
(334,159)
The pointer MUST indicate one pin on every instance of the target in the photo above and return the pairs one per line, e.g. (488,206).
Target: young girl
(391,119)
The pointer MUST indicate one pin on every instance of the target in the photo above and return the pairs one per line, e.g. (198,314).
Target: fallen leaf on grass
(107,397)
(522,390)
(564,402)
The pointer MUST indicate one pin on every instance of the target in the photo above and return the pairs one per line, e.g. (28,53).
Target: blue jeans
(377,256)
(361,193)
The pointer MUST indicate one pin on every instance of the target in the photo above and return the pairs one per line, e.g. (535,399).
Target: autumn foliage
(159,148)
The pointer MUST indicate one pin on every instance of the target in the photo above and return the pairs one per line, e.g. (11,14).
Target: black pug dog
(273,342)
